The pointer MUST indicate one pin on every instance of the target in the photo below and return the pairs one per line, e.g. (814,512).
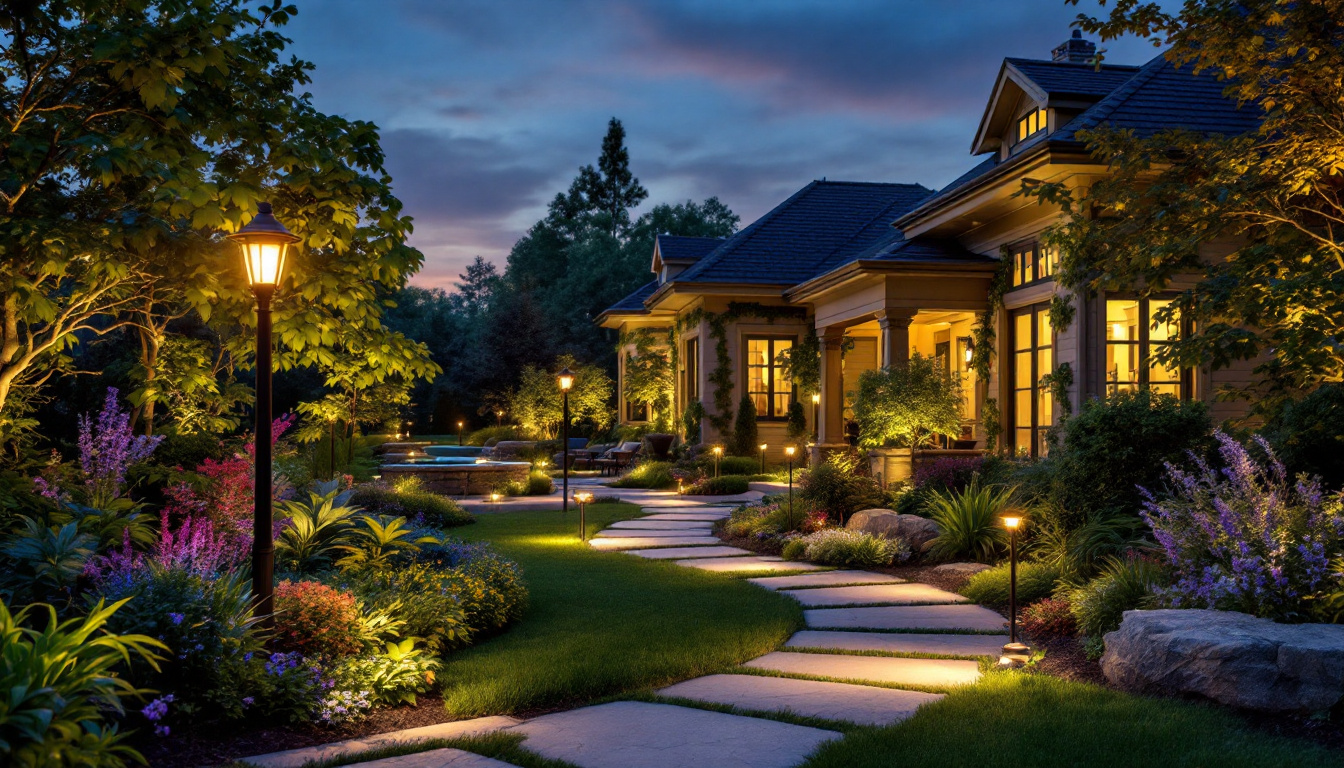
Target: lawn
(1016,719)
(601,624)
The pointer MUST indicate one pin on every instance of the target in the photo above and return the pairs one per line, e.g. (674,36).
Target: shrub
(393,676)
(482,436)
(315,532)
(736,465)
(1034,582)
(412,502)
(905,404)
(1308,434)
(1080,551)
(1048,618)
(968,521)
(1114,446)
(538,483)
(796,428)
(60,683)
(948,473)
(744,427)
(855,549)
(316,620)
(728,485)
(189,450)
(1125,584)
(794,549)
(491,592)
(690,421)
(771,519)
(836,487)
(648,474)
(381,543)
(421,596)
(1247,539)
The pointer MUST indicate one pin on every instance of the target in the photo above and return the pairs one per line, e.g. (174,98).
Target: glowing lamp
(718,450)
(495,496)
(566,379)
(1012,523)
(583,497)
(265,244)
(816,398)
(790,451)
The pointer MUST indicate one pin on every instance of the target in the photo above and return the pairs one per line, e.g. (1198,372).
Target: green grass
(1017,719)
(601,623)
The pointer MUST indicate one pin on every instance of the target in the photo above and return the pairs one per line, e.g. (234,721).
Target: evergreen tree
(744,428)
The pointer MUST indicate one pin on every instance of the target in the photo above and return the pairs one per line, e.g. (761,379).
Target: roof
(635,301)
(678,248)
(823,225)
(1062,78)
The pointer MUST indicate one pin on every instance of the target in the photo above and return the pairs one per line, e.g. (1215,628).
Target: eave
(859,270)
(675,296)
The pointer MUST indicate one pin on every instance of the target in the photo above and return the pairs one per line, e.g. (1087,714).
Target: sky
(487,108)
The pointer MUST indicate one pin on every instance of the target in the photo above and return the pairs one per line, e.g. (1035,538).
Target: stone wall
(461,479)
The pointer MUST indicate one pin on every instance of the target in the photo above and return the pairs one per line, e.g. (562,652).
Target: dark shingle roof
(930,249)
(1059,78)
(678,248)
(635,301)
(823,225)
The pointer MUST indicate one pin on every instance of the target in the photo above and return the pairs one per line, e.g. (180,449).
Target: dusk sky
(488,107)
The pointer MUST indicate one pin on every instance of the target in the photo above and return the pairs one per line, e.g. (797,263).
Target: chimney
(1075,50)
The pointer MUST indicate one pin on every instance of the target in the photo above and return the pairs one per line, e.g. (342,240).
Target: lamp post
(789,450)
(763,446)
(265,244)
(583,498)
(1014,652)
(718,453)
(331,447)
(816,423)
(566,381)
(499,418)
(460,424)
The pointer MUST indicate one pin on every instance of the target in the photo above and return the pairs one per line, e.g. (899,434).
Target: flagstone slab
(661,525)
(618,533)
(861,704)
(697,516)
(437,758)
(746,564)
(635,734)
(944,644)
(868,594)
(964,618)
(637,542)
(825,579)
(681,553)
(294,758)
(871,669)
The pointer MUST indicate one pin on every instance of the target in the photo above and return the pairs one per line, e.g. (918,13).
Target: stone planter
(461,479)
(891,465)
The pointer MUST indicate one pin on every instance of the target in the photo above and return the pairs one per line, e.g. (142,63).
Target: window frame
(1042,122)
(690,370)
(1039,258)
(1185,377)
(772,365)
(1036,312)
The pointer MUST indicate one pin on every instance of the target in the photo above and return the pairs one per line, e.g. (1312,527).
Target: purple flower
(176,618)
(107,449)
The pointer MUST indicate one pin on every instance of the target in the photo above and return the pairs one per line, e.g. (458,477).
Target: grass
(501,746)
(601,624)
(1013,719)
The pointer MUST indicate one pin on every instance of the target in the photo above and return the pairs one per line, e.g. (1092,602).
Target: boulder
(1232,658)
(961,569)
(915,530)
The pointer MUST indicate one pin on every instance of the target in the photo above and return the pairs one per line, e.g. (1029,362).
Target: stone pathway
(876,648)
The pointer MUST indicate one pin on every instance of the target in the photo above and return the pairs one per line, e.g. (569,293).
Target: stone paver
(625,533)
(895,594)
(293,758)
(827,579)
(746,564)
(860,704)
(633,734)
(696,516)
(636,542)
(661,525)
(871,669)
(965,618)
(681,553)
(437,758)
(900,642)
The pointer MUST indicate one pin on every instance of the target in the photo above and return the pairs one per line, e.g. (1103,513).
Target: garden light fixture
(495,497)
(816,419)
(789,450)
(499,418)
(265,244)
(460,425)
(566,382)
(583,498)
(1014,652)
(763,446)
(718,454)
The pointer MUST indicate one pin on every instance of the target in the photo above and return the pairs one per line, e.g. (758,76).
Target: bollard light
(583,498)
(789,451)
(1014,653)
(718,454)
(763,446)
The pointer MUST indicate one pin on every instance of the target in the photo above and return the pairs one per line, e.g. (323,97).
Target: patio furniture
(584,459)
(660,445)
(618,458)
(576,451)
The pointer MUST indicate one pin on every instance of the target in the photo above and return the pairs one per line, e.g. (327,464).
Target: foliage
(1124,584)
(949,473)
(969,522)
(421,596)
(194,381)
(744,428)
(537,406)
(393,676)
(1035,581)
(728,485)
(690,421)
(314,531)
(42,563)
(902,405)
(410,501)
(503,432)
(107,449)
(991,420)
(649,378)
(1079,549)
(314,619)
(836,487)
(1058,383)
(380,543)
(538,483)
(1111,447)
(491,591)
(197,547)
(854,549)
(1048,618)
(648,474)
(1308,436)
(773,517)
(189,450)
(796,429)
(733,465)
(60,683)
(1245,537)
(802,365)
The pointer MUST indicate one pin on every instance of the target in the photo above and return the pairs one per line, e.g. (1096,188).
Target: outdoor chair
(616,459)
(577,446)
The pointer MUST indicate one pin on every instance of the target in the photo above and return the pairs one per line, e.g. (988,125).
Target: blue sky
(487,108)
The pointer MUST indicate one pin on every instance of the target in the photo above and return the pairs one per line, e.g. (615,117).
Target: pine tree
(744,429)
(612,190)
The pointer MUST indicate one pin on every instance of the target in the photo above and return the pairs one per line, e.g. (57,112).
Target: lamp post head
(265,243)
(816,398)
(718,450)
(763,446)
(1012,522)
(789,451)
(583,497)
(566,379)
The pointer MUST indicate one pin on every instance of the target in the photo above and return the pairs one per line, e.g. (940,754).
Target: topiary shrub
(1035,581)
(411,501)
(648,474)
(1048,618)
(854,549)
(1307,435)
(316,620)
(728,485)
(1125,583)
(744,428)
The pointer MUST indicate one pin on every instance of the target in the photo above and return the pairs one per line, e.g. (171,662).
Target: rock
(961,569)
(1232,658)
(917,531)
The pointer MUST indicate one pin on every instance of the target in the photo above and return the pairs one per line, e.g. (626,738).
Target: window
(1132,343)
(1033,356)
(769,390)
(636,411)
(1032,262)
(1030,124)
(690,383)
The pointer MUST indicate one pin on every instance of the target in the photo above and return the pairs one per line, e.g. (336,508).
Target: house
(880,271)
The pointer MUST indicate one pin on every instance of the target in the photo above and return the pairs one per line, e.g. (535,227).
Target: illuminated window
(690,384)
(1132,344)
(636,411)
(1033,406)
(1032,262)
(769,389)
(1030,124)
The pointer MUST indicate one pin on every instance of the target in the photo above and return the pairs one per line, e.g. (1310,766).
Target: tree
(612,191)
(744,428)
(904,404)
(649,379)
(537,407)
(1271,195)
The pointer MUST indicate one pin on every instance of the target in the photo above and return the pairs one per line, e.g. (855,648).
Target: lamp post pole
(459,433)
(331,448)
(566,381)
(816,425)
(763,447)
(788,454)
(1012,584)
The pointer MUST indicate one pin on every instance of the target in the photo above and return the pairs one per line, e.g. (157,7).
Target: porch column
(895,325)
(831,431)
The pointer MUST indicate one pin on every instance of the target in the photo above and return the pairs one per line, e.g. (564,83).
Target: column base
(819,451)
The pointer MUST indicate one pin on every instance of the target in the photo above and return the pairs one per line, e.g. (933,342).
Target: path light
(496,497)
(331,446)
(718,454)
(763,446)
(681,488)
(583,498)
(265,244)
(460,425)
(566,382)
(816,402)
(1014,653)
(789,450)
(499,418)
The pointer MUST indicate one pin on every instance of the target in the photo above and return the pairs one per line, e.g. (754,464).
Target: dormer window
(1030,124)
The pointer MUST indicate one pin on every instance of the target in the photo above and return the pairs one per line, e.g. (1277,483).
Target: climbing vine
(989,418)
(1061,312)
(982,357)
(1058,382)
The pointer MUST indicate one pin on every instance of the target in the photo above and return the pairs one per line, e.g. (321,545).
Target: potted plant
(899,407)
